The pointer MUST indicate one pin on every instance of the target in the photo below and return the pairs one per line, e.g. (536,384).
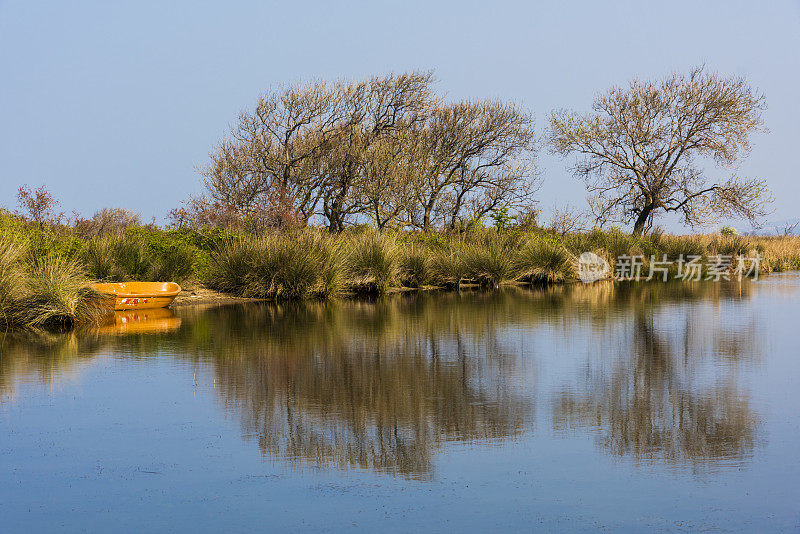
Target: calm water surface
(637,407)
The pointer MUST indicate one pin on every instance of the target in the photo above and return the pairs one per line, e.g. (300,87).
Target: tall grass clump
(779,253)
(57,293)
(171,256)
(432,258)
(276,266)
(447,266)
(732,245)
(543,260)
(12,281)
(231,263)
(488,258)
(676,246)
(414,265)
(372,261)
(174,264)
(101,257)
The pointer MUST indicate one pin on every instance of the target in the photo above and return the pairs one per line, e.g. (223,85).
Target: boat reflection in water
(52,357)
(146,321)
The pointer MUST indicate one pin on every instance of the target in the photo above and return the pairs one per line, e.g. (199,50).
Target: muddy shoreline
(201,295)
(196,296)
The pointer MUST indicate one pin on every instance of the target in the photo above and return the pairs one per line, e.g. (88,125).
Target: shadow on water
(384,385)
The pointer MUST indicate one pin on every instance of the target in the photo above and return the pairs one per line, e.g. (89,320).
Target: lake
(625,407)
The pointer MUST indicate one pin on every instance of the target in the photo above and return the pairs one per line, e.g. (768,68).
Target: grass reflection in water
(383,385)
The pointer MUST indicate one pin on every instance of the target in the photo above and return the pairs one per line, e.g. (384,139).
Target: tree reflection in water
(384,385)
(369,385)
(664,387)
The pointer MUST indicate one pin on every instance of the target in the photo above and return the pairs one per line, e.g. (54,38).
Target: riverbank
(46,272)
(198,295)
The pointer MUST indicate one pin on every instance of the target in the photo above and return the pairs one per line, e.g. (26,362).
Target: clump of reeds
(276,266)
(231,264)
(174,263)
(543,261)
(414,265)
(49,292)
(99,256)
(779,253)
(489,259)
(676,246)
(446,265)
(372,262)
(59,294)
(12,281)
(776,252)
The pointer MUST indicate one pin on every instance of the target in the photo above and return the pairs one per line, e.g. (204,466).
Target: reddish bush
(39,205)
(106,220)
(199,213)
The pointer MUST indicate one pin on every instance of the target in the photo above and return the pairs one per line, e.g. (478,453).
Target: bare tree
(567,219)
(528,216)
(383,148)
(375,109)
(107,220)
(269,154)
(787,229)
(471,156)
(640,145)
(387,183)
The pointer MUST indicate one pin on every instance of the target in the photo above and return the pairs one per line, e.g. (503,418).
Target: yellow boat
(139,295)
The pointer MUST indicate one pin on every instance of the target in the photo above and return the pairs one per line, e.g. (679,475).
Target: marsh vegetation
(45,272)
(364,187)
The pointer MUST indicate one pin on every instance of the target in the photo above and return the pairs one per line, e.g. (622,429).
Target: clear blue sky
(115,104)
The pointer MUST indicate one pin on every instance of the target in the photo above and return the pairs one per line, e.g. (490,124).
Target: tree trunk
(426,219)
(641,220)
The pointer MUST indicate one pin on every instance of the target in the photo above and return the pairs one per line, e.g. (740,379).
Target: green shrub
(501,218)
